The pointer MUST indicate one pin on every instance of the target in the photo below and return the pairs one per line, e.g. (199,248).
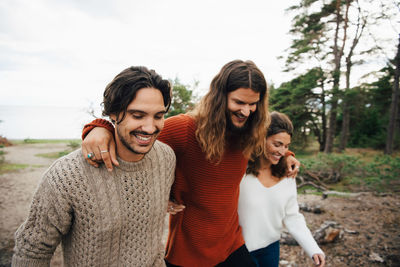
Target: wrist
(97,123)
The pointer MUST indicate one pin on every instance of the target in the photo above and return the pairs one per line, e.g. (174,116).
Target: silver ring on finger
(90,155)
(103,151)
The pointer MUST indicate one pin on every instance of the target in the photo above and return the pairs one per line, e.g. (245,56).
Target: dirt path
(16,191)
(370,223)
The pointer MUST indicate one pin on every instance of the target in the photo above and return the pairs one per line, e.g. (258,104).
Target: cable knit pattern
(101,218)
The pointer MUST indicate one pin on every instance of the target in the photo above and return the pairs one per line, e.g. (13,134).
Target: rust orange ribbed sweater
(208,230)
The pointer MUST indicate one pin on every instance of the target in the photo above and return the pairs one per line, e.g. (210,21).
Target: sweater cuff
(97,123)
(25,262)
(288,153)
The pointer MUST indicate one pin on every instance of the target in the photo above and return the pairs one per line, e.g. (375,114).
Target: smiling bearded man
(107,218)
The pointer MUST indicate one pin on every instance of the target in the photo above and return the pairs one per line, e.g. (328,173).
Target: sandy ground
(16,192)
(370,223)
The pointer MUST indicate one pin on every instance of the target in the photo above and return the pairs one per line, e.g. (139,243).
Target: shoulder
(181,118)
(289,185)
(180,121)
(66,173)
(177,130)
(67,166)
(288,181)
(248,180)
(74,159)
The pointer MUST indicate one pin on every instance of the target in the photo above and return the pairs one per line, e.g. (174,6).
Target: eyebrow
(279,142)
(241,101)
(131,111)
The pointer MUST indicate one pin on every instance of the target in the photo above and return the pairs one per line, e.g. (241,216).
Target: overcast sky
(64,52)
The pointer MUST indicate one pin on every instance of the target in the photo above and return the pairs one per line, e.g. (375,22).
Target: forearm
(97,123)
(297,227)
(300,232)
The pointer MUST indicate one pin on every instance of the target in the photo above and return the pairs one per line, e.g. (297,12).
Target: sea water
(43,122)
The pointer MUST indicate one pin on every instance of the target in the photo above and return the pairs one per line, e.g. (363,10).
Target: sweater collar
(140,165)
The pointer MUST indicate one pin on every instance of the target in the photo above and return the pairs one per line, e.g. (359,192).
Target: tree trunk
(349,64)
(323,118)
(393,106)
(344,135)
(338,53)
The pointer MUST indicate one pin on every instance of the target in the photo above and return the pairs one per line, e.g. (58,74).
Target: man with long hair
(212,144)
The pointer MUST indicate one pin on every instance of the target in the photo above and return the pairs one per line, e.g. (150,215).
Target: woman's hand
(319,259)
(99,146)
(293,166)
(174,208)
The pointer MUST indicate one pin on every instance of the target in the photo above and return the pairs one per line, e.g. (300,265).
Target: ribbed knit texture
(208,230)
(97,122)
(101,218)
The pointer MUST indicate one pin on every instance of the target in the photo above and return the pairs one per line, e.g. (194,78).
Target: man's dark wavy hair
(121,91)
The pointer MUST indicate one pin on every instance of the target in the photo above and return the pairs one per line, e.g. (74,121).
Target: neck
(265,164)
(125,154)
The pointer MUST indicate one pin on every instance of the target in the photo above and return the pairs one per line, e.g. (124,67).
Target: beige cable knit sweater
(101,218)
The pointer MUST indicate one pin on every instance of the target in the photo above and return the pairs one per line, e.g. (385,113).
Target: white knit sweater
(263,212)
(101,218)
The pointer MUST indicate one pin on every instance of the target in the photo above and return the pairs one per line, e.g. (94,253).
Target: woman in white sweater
(268,201)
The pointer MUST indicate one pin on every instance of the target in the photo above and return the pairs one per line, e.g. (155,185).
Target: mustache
(144,133)
(240,115)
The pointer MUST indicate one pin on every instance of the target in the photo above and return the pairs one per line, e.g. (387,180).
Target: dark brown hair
(279,123)
(121,91)
(210,113)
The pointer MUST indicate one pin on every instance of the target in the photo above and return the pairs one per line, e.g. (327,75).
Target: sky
(64,52)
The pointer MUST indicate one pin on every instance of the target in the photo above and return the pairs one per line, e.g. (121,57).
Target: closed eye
(159,115)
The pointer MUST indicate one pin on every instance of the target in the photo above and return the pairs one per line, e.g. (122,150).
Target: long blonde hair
(211,112)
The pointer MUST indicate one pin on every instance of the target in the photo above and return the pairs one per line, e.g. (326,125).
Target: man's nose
(245,110)
(149,126)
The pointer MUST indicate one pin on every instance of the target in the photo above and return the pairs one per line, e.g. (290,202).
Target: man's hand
(99,146)
(319,260)
(174,208)
(293,166)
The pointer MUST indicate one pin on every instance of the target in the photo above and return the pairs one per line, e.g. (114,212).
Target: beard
(128,146)
(233,129)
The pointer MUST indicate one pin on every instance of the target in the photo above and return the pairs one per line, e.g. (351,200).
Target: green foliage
(53,155)
(338,164)
(5,167)
(383,167)
(302,100)
(182,99)
(74,144)
(381,173)
(369,112)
